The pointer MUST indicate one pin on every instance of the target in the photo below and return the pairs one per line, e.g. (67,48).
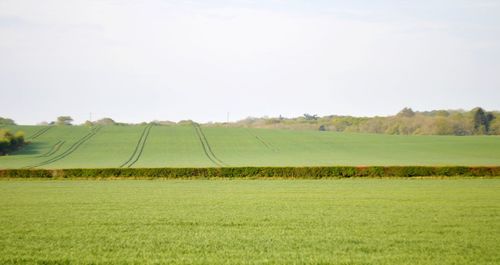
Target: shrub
(10,142)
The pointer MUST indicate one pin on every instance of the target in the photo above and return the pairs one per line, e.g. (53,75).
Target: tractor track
(266,144)
(206,147)
(68,151)
(139,147)
(38,133)
(209,147)
(53,149)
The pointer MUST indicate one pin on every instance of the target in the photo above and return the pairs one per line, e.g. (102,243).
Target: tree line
(407,122)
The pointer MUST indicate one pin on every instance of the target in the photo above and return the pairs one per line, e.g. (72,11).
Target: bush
(10,142)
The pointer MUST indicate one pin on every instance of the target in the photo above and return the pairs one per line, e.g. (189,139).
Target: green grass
(175,146)
(354,221)
(34,153)
(181,146)
(111,146)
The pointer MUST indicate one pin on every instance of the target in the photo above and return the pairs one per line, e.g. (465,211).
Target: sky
(172,60)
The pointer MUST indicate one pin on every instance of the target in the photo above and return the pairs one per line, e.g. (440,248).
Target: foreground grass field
(353,221)
(190,146)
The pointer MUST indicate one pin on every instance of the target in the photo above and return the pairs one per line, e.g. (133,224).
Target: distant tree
(6,121)
(310,117)
(489,118)
(4,145)
(482,121)
(442,113)
(186,122)
(495,127)
(165,122)
(105,121)
(272,121)
(88,124)
(406,112)
(442,126)
(64,120)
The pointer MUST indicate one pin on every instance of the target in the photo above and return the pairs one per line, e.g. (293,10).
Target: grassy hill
(191,146)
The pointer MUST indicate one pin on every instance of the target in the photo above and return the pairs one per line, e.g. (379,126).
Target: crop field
(193,146)
(350,221)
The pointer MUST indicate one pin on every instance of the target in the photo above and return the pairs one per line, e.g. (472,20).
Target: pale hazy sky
(171,60)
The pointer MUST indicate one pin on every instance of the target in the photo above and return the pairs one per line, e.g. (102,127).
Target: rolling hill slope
(192,146)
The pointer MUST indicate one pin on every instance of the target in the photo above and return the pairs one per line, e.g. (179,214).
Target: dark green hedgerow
(253,172)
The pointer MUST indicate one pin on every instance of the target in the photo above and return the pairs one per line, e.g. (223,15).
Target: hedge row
(253,172)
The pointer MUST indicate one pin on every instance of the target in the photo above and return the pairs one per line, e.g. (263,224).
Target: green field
(352,221)
(190,146)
